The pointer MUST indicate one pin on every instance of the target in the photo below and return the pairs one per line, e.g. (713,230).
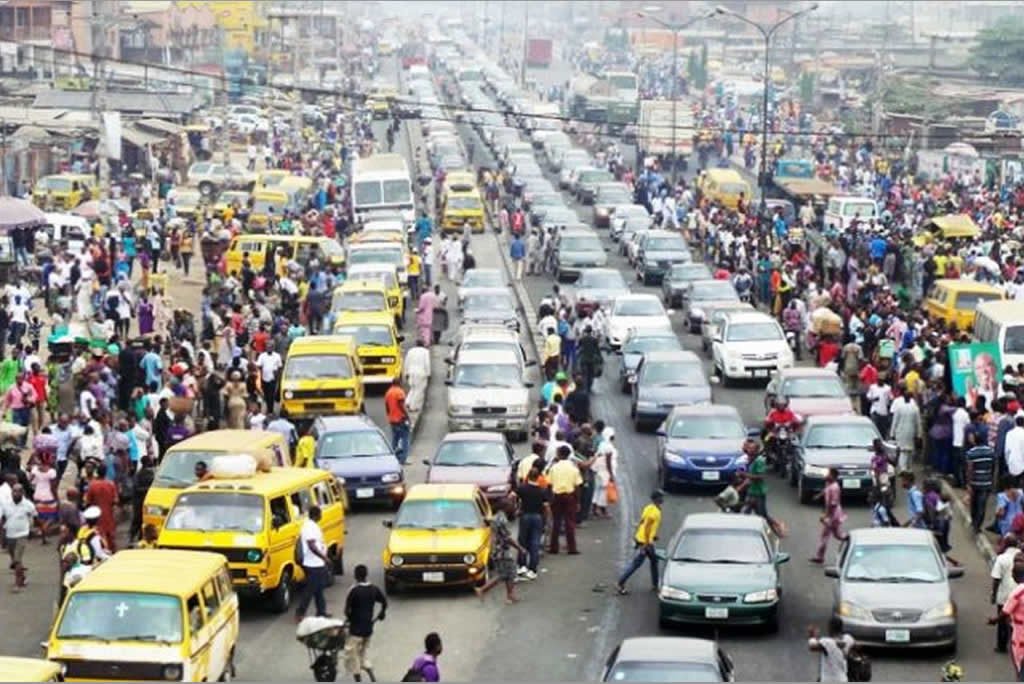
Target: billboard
(977,371)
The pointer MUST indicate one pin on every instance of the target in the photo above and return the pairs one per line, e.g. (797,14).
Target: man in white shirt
(270,364)
(961,419)
(417,375)
(879,396)
(18,517)
(314,562)
(1014,449)
(1002,584)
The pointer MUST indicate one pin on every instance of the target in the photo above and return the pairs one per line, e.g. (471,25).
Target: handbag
(612,492)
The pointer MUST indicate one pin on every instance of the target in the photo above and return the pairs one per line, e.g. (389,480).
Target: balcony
(25,33)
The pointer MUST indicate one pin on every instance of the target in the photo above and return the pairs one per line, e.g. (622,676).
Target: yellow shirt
(650,521)
(912,381)
(414,264)
(304,451)
(564,477)
(552,347)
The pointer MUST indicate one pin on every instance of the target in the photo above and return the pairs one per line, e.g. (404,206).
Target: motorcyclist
(743,282)
(792,322)
(781,416)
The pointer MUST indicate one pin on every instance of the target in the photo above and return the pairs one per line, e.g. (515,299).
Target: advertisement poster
(977,371)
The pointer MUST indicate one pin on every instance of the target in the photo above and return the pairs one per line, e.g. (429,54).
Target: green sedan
(722,568)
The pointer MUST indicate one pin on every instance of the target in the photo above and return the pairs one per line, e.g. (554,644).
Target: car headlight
(674,594)
(288,394)
(496,489)
(815,471)
(943,610)
(517,409)
(396,561)
(459,409)
(391,477)
(349,394)
(852,610)
(158,511)
(766,596)
(696,312)
(673,457)
(387,359)
(171,673)
(631,375)
(253,556)
(469,558)
(602,212)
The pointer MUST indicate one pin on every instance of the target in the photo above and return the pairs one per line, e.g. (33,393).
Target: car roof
(892,535)
(706,410)
(637,297)
(474,436)
(487,356)
(722,521)
(681,356)
(738,316)
(147,570)
(485,291)
(663,233)
(347,423)
(672,649)
(441,491)
(600,270)
(806,372)
(838,420)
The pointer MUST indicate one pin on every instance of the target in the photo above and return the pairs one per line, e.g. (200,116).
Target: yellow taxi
(255,522)
(267,204)
(362,295)
(460,208)
(230,198)
(380,99)
(270,179)
(298,188)
(388,276)
(322,376)
(377,342)
(29,670)
(150,614)
(64,190)
(302,248)
(955,301)
(441,536)
(725,186)
(188,203)
(177,469)
(388,253)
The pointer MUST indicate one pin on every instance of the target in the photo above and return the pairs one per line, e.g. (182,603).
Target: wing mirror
(955,572)
(387,523)
(832,571)
(781,557)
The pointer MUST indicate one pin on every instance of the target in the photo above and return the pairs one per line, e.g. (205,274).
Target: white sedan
(641,312)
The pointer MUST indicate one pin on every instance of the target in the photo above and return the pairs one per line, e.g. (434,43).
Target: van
(64,191)
(29,670)
(377,342)
(149,614)
(388,276)
(267,204)
(460,209)
(389,253)
(1002,322)
(255,522)
(954,300)
(363,296)
(843,209)
(70,230)
(270,179)
(725,186)
(177,468)
(322,376)
(301,248)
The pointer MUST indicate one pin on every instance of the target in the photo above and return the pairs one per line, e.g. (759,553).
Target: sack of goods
(826,322)
(233,466)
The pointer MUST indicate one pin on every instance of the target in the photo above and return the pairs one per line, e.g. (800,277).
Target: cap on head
(657,496)
(92,513)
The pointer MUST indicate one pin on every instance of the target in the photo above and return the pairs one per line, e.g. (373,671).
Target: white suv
(749,344)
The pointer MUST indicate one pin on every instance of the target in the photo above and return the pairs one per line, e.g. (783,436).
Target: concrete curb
(535,341)
(963,515)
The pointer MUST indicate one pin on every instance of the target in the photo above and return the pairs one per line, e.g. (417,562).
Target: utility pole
(526,42)
(101,24)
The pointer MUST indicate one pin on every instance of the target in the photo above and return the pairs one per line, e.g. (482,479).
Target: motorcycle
(779,449)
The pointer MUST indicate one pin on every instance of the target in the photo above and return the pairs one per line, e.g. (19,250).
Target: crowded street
(403,364)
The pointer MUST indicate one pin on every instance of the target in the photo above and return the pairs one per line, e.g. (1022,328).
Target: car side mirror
(528,385)
(531,362)
(426,461)
(955,572)
(387,523)
(661,554)
(450,362)
(754,432)
(449,383)
(832,571)
(781,557)
(716,338)
(660,432)
(401,338)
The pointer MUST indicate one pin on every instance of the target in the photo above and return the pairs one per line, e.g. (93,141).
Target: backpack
(858,666)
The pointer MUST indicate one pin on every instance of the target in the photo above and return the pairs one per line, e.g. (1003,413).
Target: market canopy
(19,213)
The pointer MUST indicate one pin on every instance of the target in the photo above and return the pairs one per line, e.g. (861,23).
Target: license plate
(897,636)
(364,493)
(716,613)
(486,424)
(761,373)
(711,475)
(433,577)
(851,483)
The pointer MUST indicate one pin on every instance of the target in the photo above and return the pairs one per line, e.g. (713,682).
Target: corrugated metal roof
(139,138)
(173,104)
(160,125)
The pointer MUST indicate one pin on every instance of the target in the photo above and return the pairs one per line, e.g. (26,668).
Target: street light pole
(766,33)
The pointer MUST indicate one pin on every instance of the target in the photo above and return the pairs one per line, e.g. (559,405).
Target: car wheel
(558,275)
(645,279)
(703,345)
(624,386)
(794,474)
(772,625)
(206,188)
(726,381)
(802,494)
(281,597)
(229,669)
(663,623)
(663,480)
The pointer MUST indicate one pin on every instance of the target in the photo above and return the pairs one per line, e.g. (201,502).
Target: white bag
(233,466)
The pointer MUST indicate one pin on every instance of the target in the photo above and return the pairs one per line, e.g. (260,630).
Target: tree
(999,51)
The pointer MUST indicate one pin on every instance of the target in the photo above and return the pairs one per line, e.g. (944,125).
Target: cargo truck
(538,52)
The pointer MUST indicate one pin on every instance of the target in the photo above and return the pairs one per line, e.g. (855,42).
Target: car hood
(624,323)
(489,315)
(672,255)
(598,258)
(481,476)
(830,457)
(721,578)
(404,541)
(705,304)
(689,394)
(487,396)
(360,466)
(894,596)
(756,346)
(820,406)
(598,294)
(698,448)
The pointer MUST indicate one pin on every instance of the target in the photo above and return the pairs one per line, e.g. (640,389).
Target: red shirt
(39,383)
(868,375)
(259,341)
(783,417)
(827,352)
(394,404)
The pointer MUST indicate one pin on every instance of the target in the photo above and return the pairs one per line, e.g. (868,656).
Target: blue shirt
(128,242)
(517,250)
(878,248)
(915,505)
(152,365)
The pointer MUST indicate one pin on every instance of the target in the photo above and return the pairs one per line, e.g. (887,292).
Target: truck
(654,135)
(612,98)
(538,52)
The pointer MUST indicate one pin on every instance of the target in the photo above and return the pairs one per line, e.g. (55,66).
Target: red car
(480,458)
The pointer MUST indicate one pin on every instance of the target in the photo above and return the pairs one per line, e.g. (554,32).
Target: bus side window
(279,511)
(210,599)
(224,587)
(301,501)
(195,614)
(323,494)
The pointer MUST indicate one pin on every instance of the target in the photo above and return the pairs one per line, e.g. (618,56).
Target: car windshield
(754,332)
(464,203)
(220,511)
(689,272)
(351,444)
(672,244)
(968,301)
(497,301)
(460,453)
(487,375)
(664,672)
(580,243)
(1013,340)
(674,373)
(893,563)
(596,176)
(638,307)
(368,335)
(122,616)
(825,386)
(642,345)
(841,436)
(482,277)
(359,301)
(489,345)
(177,469)
(437,514)
(318,367)
(601,280)
(548,199)
(397,192)
(718,289)
(386,277)
(377,256)
(706,427)
(721,546)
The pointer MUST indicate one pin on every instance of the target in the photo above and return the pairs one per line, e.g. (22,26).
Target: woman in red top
(40,383)
(102,493)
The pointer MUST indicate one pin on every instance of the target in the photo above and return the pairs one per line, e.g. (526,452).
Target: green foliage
(999,51)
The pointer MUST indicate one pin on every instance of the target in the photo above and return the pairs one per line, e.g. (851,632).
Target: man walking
(534,512)
(314,562)
(590,359)
(398,418)
(270,364)
(1002,584)
(980,461)
(359,605)
(517,251)
(417,375)
(906,427)
(643,543)
(833,518)
(18,516)
(565,481)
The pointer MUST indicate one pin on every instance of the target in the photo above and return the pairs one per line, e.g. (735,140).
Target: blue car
(358,453)
(664,380)
(700,446)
